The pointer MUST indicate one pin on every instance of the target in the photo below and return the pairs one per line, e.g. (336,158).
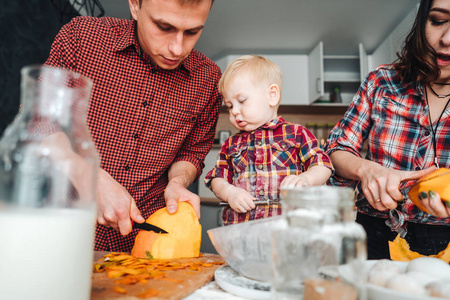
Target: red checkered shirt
(142,118)
(259,160)
(393,118)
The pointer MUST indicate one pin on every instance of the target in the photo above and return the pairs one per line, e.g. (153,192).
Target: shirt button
(193,119)
(136,136)
(283,146)
(127,168)
(261,192)
(260,166)
(144,104)
(417,168)
(259,143)
(427,133)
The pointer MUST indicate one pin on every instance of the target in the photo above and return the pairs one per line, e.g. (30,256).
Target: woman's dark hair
(417,60)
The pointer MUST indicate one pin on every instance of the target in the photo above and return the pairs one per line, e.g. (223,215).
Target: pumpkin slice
(432,182)
(183,239)
(400,251)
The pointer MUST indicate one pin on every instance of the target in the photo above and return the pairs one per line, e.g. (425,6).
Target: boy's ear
(274,94)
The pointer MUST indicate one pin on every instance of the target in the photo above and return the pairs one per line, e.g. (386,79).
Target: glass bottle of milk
(48,171)
(321,251)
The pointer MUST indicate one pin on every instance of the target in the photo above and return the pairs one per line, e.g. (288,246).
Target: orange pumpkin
(182,240)
(400,251)
(432,182)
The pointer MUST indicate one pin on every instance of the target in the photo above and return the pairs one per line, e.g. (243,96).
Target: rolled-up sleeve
(353,129)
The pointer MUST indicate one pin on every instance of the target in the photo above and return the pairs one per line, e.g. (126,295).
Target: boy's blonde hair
(261,69)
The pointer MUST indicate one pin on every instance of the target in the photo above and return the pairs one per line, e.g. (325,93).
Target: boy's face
(168,31)
(250,106)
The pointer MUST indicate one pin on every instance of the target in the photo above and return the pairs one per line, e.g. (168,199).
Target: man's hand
(175,193)
(181,175)
(115,206)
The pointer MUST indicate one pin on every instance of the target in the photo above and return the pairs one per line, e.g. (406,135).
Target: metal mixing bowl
(247,247)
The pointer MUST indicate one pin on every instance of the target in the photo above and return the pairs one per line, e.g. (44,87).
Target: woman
(402,112)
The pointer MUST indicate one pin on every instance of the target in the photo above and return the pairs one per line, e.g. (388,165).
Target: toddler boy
(267,153)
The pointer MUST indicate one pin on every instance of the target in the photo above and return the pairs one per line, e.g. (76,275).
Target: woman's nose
(445,39)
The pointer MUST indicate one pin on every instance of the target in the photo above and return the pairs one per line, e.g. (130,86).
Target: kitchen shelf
(314,109)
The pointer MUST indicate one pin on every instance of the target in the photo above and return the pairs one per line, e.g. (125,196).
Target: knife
(148,227)
(257,202)
(365,202)
(420,180)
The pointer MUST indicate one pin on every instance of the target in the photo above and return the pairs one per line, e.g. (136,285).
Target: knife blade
(148,227)
(257,202)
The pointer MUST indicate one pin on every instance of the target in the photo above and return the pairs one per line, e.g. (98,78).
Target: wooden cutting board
(103,287)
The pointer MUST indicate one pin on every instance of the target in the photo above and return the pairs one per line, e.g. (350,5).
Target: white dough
(380,278)
(430,265)
(382,271)
(422,277)
(387,265)
(406,284)
(439,288)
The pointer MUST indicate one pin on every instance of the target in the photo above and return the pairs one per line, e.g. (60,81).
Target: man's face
(168,31)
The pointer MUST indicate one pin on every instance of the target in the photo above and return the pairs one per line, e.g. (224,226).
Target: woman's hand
(434,204)
(115,206)
(380,185)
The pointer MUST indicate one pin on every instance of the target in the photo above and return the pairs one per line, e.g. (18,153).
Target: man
(153,108)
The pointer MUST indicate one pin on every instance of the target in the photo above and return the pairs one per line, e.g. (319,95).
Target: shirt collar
(129,39)
(274,124)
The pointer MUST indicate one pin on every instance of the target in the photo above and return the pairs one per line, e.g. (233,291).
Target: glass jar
(48,171)
(321,252)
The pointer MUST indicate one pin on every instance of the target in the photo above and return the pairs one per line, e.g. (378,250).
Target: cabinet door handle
(318,85)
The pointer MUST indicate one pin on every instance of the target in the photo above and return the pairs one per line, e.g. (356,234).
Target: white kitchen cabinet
(295,75)
(386,52)
(328,71)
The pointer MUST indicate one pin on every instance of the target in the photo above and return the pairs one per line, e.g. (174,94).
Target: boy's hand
(239,199)
(295,180)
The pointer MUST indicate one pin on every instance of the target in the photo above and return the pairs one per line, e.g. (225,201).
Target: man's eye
(242,100)
(229,107)
(191,32)
(164,28)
